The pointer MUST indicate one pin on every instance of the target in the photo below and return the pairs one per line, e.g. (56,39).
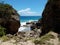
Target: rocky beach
(44,31)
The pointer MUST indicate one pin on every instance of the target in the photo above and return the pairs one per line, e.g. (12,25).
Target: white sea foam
(24,23)
(32,20)
(25,28)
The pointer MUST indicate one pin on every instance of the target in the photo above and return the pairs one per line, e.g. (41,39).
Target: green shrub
(2,31)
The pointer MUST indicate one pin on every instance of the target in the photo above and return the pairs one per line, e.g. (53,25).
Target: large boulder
(51,17)
(9,18)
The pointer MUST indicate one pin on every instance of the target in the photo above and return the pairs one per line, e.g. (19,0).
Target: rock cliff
(9,18)
(51,17)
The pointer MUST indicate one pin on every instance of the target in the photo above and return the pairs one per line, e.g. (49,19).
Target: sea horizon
(25,19)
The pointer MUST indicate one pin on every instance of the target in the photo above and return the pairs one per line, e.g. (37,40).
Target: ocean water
(24,19)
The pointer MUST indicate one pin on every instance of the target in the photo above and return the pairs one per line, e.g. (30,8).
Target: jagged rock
(35,24)
(9,18)
(51,17)
(38,24)
(33,33)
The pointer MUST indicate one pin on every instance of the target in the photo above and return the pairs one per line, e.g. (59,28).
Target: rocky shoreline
(30,38)
(21,38)
(30,26)
(44,32)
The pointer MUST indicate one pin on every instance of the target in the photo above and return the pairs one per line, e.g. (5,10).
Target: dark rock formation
(51,17)
(9,18)
(38,24)
(34,24)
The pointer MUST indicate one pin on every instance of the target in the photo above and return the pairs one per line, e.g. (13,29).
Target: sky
(28,7)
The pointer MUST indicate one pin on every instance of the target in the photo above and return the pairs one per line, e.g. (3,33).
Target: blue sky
(28,7)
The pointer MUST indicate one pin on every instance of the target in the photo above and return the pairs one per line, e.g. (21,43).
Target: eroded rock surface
(51,17)
(9,18)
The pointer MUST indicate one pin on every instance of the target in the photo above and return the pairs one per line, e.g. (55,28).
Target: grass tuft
(4,38)
(44,39)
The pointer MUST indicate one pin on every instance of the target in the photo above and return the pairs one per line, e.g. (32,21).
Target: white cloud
(28,12)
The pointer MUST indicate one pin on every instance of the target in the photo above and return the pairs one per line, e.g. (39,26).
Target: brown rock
(9,18)
(13,26)
(51,17)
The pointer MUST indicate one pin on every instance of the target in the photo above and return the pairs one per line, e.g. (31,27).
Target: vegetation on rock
(2,31)
(6,11)
(9,18)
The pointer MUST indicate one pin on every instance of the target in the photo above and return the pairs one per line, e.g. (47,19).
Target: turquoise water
(29,18)
(24,19)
